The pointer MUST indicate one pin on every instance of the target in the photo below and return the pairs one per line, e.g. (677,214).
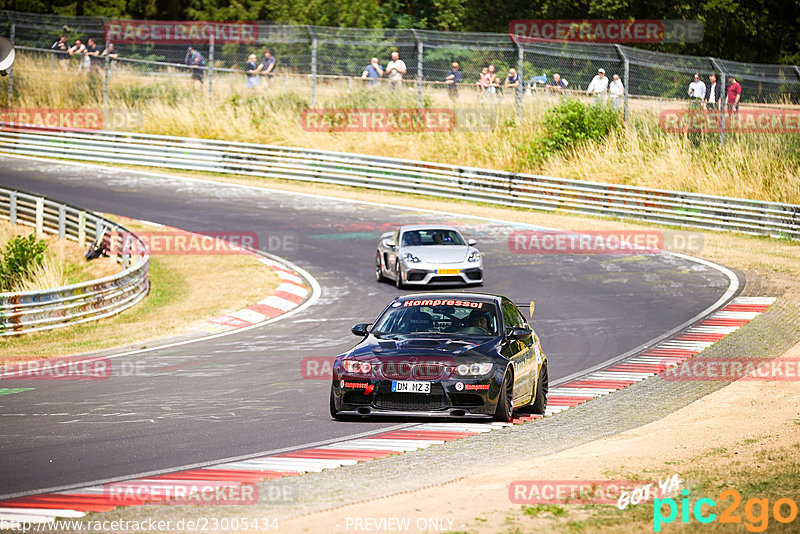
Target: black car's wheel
(505,404)
(335,413)
(540,403)
(398,272)
(379,268)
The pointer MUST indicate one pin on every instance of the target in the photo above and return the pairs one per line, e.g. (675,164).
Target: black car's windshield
(457,317)
(418,238)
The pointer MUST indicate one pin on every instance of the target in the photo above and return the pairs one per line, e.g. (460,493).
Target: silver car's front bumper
(454,273)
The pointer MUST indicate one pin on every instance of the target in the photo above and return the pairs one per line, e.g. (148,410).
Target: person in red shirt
(734,95)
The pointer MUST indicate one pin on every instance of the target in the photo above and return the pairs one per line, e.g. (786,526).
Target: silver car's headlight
(474,256)
(410,258)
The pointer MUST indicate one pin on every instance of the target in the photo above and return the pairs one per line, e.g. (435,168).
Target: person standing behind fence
(556,84)
(92,56)
(267,66)
(714,93)
(196,61)
(79,49)
(734,95)
(598,86)
(513,81)
(373,72)
(452,79)
(494,81)
(616,91)
(251,69)
(61,46)
(112,54)
(697,91)
(395,70)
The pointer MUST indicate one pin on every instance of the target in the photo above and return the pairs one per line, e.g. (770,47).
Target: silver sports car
(423,254)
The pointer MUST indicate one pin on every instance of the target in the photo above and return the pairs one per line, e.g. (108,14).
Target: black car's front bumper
(467,398)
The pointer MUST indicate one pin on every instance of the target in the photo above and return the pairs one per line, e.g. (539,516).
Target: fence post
(626,71)
(81,228)
(39,216)
(313,65)
(722,94)
(520,90)
(62,221)
(419,68)
(11,70)
(211,65)
(108,73)
(12,207)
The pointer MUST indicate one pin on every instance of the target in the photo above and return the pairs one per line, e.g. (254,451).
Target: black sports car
(442,355)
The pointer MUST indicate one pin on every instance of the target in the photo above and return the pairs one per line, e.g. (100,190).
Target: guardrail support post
(626,70)
(11,70)
(105,82)
(419,68)
(39,216)
(211,66)
(81,228)
(62,221)
(313,65)
(722,94)
(12,207)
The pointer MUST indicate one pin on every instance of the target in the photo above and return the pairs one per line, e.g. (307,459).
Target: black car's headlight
(410,258)
(474,369)
(474,256)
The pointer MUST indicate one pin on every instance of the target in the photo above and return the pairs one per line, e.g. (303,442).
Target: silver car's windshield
(417,238)
(444,316)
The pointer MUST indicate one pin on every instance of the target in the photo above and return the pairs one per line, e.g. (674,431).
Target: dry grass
(185,290)
(63,264)
(754,166)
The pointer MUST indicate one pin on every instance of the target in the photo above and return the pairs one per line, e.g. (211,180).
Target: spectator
(485,80)
(713,96)
(196,61)
(598,86)
(734,95)
(251,69)
(617,91)
(557,84)
(513,81)
(373,72)
(452,79)
(268,63)
(697,90)
(61,46)
(395,70)
(111,52)
(494,84)
(78,49)
(92,56)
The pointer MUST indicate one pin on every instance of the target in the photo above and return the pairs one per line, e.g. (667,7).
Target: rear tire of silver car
(379,268)
(398,272)
(540,403)
(505,402)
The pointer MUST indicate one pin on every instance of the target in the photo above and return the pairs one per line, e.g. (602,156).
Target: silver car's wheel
(398,272)
(379,268)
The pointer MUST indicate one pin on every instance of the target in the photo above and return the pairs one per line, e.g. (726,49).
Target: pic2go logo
(756,511)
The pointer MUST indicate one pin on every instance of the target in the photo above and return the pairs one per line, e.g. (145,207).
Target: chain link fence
(320,61)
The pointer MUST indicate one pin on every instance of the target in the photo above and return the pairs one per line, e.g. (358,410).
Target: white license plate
(410,387)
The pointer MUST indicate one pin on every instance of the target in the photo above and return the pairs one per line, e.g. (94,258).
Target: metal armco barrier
(392,174)
(33,311)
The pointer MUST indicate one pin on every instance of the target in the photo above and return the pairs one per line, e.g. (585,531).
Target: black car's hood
(391,346)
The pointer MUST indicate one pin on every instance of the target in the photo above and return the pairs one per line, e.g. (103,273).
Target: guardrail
(408,176)
(33,311)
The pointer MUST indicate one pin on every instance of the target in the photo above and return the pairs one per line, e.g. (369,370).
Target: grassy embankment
(758,166)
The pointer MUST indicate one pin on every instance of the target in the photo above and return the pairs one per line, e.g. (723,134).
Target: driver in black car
(479,320)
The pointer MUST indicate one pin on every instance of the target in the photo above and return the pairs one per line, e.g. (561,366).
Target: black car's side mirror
(360,329)
(519,333)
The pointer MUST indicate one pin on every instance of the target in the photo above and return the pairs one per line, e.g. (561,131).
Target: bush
(572,122)
(20,257)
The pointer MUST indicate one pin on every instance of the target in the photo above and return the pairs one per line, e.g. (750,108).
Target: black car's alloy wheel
(540,404)
(505,404)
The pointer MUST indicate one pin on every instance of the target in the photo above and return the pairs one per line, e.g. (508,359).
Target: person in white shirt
(395,70)
(598,86)
(697,89)
(617,91)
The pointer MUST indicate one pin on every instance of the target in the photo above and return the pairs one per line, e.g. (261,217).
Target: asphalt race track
(243,393)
